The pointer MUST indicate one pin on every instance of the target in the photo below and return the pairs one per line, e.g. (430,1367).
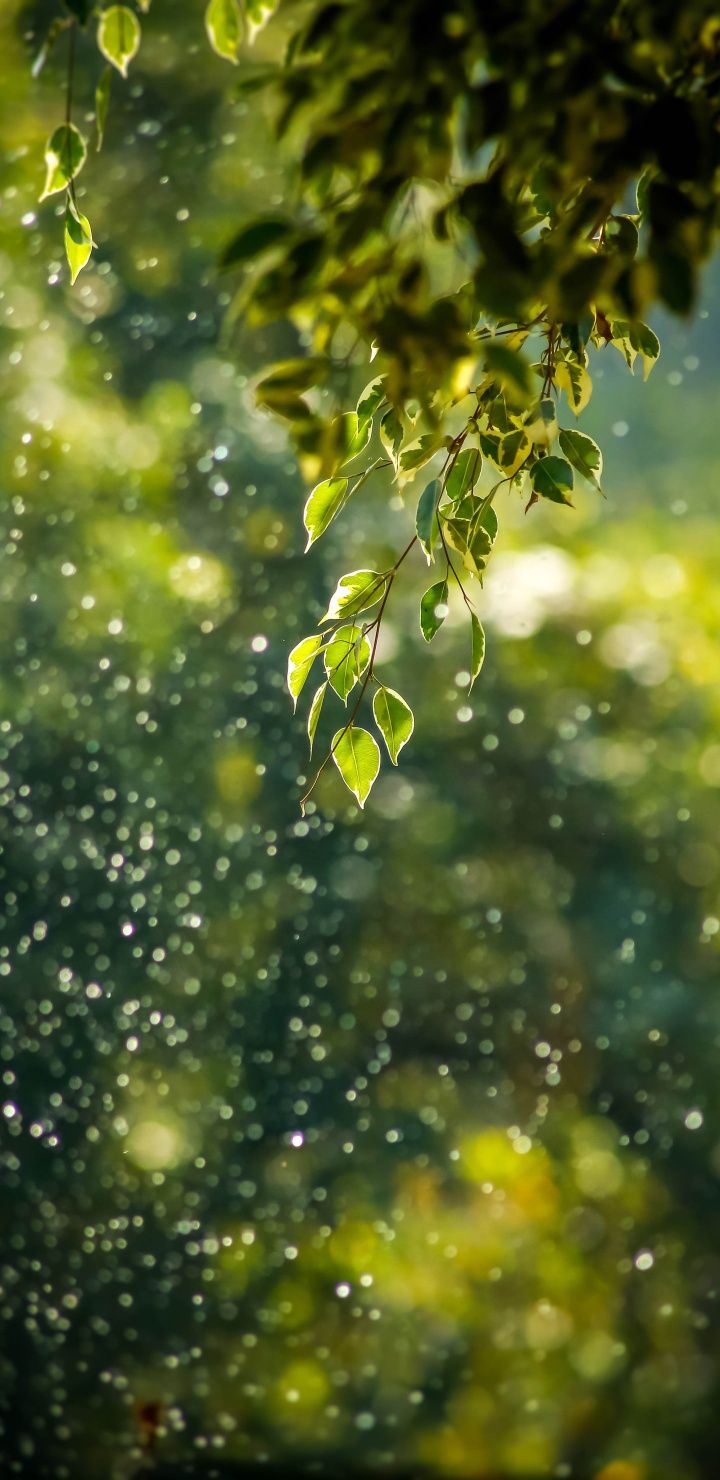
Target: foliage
(516,941)
(485,199)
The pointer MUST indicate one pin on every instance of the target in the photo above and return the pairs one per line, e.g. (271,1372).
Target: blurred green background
(389,1135)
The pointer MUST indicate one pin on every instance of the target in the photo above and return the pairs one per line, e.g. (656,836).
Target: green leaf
(552,477)
(471,540)
(394,719)
(257,14)
(575,381)
(119,36)
(314,715)
(478,648)
(346,657)
(372,397)
(584,454)
(489,522)
(426,517)
(391,434)
(513,449)
(433,609)
(78,240)
(647,345)
(325,501)
(419,452)
(300,662)
(102,102)
(65,155)
(348,437)
(357,758)
(260,236)
(354,593)
(622,341)
(289,378)
(223,24)
(463,474)
(512,371)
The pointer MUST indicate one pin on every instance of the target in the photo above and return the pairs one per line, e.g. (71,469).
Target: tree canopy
(483,197)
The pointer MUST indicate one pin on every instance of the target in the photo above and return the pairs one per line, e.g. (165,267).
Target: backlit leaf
(78,240)
(314,715)
(478,648)
(325,501)
(433,609)
(300,662)
(257,14)
(65,155)
(346,657)
(119,36)
(357,757)
(394,719)
(371,398)
(647,345)
(223,24)
(355,592)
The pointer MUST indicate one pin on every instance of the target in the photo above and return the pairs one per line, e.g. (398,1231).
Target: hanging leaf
(357,758)
(584,454)
(224,28)
(418,453)
(370,400)
(325,501)
(647,345)
(391,435)
(78,240)
(513,449)
(478,648)
(433,609)
(426,517)
(314,715)
(355,592)
(300,662)
(102,103)
(346,657)
(552,477)
(394,719)
(119,36)
(348,437)
(257,14)
(65,155)
(463,474)
(575,381)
